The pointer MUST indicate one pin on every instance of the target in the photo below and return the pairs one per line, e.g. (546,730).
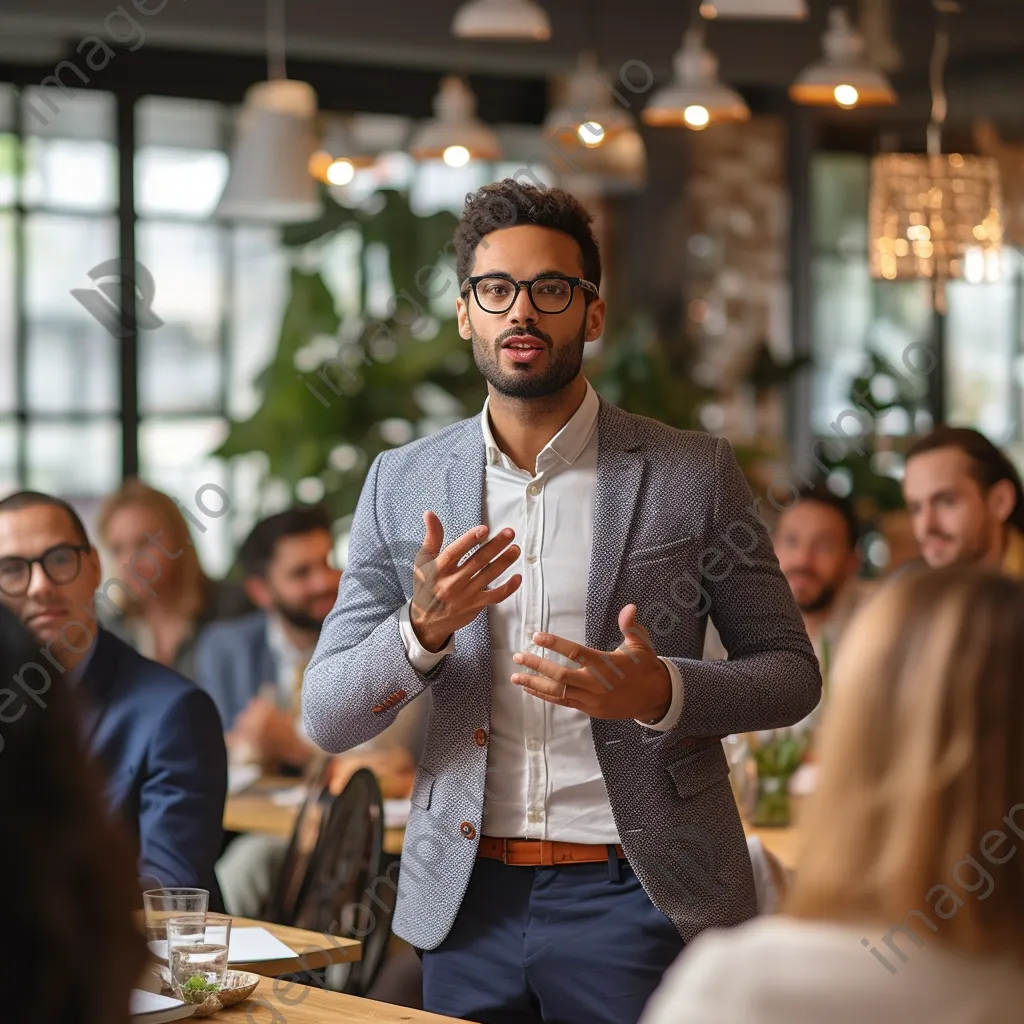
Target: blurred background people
(965,501)
(253,666)
(73,952)
(152,552)
(816,542)
(156,735)
(908,901)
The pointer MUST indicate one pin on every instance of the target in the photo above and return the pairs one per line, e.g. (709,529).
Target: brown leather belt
(535,853)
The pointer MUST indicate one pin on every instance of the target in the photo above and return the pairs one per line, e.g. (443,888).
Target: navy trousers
(575,944)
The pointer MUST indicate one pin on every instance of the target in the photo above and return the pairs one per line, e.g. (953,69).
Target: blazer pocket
(422,789)
(699,770)
(659,552)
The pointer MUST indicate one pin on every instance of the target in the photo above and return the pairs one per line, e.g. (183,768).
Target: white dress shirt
(543,776)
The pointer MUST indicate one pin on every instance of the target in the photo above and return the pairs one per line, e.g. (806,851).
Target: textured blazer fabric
(677,532)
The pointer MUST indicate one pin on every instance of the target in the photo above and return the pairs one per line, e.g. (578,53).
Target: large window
(854,315)
(219,294)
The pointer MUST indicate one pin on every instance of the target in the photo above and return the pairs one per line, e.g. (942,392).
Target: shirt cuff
(675,708)
(419,657)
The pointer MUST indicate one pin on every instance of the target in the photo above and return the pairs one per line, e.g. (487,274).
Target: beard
(822,600)
(565,363)
(299,616)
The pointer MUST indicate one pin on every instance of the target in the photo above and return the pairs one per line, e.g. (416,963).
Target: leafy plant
(197,989)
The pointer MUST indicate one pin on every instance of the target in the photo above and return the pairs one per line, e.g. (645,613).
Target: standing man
(965,501)
(156,735)
(572,821)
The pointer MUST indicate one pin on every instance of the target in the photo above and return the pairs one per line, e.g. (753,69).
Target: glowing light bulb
(591,133)
(456,156)
(697,117)
(318,164)
(846,96)
(341,172)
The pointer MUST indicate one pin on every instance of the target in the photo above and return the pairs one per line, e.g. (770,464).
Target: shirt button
(533,744)
(534,816)
(467,830)
(531,559)
(480,736)
(533,490)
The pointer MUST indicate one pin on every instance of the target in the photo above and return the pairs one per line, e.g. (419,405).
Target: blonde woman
(908,902)
(152,554)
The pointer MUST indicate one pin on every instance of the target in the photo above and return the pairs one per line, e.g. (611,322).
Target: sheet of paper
(248,945)
(150,1007)
(242,776)
(396,813)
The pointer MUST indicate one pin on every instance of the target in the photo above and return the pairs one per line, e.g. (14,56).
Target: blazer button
(467,830)
(481,737)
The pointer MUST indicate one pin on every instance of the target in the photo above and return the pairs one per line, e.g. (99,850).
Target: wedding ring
(565,687)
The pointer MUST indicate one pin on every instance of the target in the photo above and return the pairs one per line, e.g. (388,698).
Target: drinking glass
(197,953)
(161,904)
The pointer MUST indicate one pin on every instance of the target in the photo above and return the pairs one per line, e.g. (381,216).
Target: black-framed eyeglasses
(549,293)
(62,563)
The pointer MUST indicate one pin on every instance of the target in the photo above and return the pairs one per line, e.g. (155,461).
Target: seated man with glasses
(156,735)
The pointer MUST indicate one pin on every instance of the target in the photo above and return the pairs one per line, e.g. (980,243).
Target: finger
(562,674)
(486,553)
(495,595)
(563,702)
(457,550)
(490,572)
(542,685)
(635,635)
(567,648)
(433,539)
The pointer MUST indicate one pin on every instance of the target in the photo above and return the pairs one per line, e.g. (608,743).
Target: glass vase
(771,807)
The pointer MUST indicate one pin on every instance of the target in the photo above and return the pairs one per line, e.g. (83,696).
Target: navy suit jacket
(158,738)
(233,660)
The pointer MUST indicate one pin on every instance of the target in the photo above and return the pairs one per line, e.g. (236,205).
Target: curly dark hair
(69,868)
(508,202)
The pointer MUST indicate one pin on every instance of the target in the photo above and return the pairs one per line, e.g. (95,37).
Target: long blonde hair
(922,759)
(188,596)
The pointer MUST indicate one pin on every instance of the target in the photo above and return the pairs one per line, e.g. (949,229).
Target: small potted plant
(777,754)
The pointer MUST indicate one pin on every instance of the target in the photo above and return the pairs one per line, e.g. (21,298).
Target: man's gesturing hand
(448,595)
(629,682)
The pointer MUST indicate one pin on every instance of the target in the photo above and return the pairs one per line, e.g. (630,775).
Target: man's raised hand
(449,593)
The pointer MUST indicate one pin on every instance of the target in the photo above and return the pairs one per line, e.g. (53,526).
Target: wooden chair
(333,880)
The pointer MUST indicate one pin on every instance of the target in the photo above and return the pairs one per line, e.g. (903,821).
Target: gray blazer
(676,532)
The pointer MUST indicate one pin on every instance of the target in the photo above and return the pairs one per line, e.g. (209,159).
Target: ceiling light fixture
(501,19)
(936,216)
(843,78)
(695,98)
(269,179)
(455,134)
(588,114)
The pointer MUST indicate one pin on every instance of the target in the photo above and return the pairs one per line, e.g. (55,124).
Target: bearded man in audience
(156,735)
(965,501)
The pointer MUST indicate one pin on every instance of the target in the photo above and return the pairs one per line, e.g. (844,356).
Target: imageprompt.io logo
(103,301)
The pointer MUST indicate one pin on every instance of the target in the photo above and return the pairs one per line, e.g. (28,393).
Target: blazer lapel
(97,685)
(620,476)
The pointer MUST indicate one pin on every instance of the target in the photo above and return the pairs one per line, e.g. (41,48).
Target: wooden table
(312,949)
(282,1003)
(254,810)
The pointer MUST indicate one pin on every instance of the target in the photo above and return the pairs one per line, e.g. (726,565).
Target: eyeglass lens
(61,564)
(550,294)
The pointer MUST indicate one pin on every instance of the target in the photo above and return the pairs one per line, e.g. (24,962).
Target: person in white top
(908,901)
(544,571)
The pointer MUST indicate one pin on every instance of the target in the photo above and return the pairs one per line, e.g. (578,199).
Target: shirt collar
(568,444)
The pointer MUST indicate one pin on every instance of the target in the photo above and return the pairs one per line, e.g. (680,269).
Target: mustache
(533,332)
